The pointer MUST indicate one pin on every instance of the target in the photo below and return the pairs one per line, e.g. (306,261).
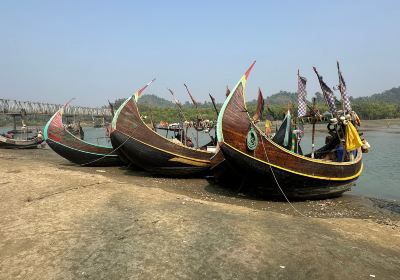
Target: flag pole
(214,105)
(313,129)
(198,114)
(340,88)
(182,115)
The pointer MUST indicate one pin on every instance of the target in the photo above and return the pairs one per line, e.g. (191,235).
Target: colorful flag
(139,92)
(175,100)
(353,140)
(260,107)
(288,118)
(328,94)
(191,97)
(343,92)
(214,103)
(301,95)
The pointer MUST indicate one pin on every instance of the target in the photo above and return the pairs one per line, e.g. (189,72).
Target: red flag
(191,97)
(260,107)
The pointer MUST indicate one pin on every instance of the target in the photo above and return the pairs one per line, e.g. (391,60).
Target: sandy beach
(62,221)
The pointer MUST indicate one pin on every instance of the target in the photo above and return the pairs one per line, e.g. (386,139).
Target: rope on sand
(114,150)
(276,180)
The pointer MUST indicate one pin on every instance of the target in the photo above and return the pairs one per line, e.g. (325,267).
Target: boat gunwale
(221,138)
(70,134)
(356,175)
(160,136)
(162,150)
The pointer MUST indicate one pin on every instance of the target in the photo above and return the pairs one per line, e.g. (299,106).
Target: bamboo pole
(313,131)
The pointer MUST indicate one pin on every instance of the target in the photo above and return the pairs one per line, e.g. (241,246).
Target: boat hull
(7,143)
(75,149)
(148,150)
(155,160)
(258,178)
(272,169)
(82,157)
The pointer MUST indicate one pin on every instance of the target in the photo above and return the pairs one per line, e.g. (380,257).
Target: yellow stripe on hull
(188,161)
(302,174)
(206,162)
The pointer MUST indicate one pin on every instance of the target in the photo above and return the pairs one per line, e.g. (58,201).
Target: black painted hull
(257,177)
(20,145)
(154,160)
(84,158)
(223,173)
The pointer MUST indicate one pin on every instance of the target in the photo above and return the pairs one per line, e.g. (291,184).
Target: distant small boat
(20,131)
(11,143)
(75,129)
(150,151)
(271,168)
(75,149)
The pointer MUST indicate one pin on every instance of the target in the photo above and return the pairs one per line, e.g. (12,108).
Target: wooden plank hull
(152,152)
(298,176)
(156,161)
(76,150)
(83,158)
(7,143)
(258,177)
(223,172)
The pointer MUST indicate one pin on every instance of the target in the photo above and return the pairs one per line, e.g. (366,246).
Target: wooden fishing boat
(223,172)
(11,143)
(75,149)
(150,151)
(271,168)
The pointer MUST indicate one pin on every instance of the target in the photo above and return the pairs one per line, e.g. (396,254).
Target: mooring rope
(276,180)
(116,149)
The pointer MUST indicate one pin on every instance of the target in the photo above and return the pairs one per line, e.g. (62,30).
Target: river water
(381,175)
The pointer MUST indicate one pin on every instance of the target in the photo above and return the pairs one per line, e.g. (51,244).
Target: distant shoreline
(366,125)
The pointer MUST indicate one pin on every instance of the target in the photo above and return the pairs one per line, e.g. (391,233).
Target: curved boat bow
(74,149)
(270,168)
(150,151)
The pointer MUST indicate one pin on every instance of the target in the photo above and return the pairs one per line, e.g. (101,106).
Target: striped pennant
(301,95)
(328,94)
(343,92)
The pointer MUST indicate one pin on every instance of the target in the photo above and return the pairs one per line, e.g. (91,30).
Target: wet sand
(61,221)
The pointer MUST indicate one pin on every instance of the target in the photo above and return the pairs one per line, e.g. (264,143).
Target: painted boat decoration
(75,149)
(11,143)
(148,150)
(271,168)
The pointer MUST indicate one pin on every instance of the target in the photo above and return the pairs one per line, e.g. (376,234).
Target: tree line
(377,106)
(385,105)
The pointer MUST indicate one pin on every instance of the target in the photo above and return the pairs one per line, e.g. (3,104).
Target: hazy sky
(97,50)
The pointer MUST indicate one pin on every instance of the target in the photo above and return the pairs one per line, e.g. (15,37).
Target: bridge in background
(21,108)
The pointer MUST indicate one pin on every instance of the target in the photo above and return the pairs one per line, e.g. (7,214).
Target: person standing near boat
(39,136)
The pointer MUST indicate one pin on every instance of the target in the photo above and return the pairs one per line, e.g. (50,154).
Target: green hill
(376,106)
(154,100)
(389,96)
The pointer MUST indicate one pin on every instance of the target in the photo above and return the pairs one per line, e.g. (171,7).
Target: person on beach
(39,136)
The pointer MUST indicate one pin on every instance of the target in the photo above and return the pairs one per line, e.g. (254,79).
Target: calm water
(381,175)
